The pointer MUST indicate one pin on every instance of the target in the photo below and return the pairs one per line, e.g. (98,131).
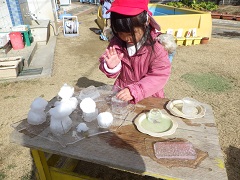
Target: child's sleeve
(153,83)
(110,73)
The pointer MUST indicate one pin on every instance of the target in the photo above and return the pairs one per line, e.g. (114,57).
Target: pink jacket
(145,73)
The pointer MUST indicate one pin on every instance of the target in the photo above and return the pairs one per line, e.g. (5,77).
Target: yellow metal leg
(41,164)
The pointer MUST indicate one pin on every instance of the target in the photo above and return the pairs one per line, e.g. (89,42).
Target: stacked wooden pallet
(10,67)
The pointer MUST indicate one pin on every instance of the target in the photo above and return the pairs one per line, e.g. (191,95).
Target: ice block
(174,150)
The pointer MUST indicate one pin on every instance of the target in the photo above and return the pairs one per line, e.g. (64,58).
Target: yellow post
(41,164)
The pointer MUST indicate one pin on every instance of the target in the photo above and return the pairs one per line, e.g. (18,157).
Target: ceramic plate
(175,108)
(165,127)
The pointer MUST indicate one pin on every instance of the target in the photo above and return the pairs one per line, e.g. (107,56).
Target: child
(134,57)
(106,35)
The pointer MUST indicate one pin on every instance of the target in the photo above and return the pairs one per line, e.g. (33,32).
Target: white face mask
(132,49)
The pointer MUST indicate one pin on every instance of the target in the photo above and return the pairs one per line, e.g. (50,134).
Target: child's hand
(112,58)
(124,95)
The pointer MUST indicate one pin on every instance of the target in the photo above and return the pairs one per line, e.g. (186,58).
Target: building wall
(16,12)
(11,14)
(5,19)
(43,9)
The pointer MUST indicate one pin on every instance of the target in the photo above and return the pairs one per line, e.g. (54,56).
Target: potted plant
(204,40)
(227,16)
(216,15)
(237,17)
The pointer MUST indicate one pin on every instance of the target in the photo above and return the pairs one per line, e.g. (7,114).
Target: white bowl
(175,108)
(155,129)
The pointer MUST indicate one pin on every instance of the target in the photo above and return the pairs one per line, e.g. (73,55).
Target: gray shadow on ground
(84,82)
(95,30)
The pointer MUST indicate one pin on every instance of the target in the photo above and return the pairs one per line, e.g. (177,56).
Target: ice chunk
(57,103)
(60,126)
(155,115)
(89,92)
(36,118)
(82,127)
(36,114)
(189,108)
(66,91)
(174,150)
(105,119)
(88,105)
(62,110)
(39,104)
(88,117)
(73,102)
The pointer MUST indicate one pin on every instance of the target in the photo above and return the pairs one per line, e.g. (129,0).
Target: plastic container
(64,14)
(16,40)
(188,41)
(197,40)
(180,41)
(118,106)
(70,26)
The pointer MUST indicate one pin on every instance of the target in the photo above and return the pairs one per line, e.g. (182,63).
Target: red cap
(129,7)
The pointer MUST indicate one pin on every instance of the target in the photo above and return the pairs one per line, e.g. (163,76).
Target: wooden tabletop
(128,149)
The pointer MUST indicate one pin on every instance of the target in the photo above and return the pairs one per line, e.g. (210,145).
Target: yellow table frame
(46,170)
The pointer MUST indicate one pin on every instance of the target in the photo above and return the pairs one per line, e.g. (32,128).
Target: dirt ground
(76,63)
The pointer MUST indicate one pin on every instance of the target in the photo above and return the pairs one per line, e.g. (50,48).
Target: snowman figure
(36,114)
(66,93)
(60,122)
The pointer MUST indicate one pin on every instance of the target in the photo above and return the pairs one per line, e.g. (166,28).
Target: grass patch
(10,97)
(11,166)
(5,84)
(2,175)
(208,82)
(28,176)
(16,83)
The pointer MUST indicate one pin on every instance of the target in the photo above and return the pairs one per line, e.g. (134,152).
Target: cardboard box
(10,67)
